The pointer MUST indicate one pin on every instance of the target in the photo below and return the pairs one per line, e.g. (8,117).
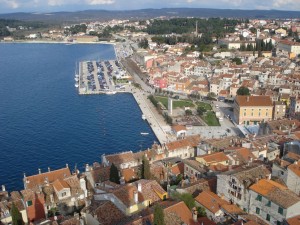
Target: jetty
(96,77)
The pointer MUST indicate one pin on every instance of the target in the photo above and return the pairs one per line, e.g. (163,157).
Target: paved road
(156,121)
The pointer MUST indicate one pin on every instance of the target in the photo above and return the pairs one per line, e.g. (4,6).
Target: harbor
(100,77)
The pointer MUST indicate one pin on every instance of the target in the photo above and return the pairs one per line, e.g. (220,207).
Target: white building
(273,202)
(234,184)
(289,46)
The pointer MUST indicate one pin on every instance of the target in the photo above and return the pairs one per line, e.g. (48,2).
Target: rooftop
(275,192)
(211,201)
(246,101)
(33,182)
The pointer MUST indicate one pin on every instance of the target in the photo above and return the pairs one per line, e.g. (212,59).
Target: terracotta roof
(71,221)
(275,192)
(214,157)
(205,221)
(190,141)
(183,212)
(232,209)
(295,168)
(178,128)
(211,201)
(107,213)
(120,158)
(100,174)
(60,185)
(294,220)
(245,101)
(129,174)
(150,191)
(39,179)
(178,168)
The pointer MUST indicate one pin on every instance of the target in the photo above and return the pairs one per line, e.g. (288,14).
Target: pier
(97,78)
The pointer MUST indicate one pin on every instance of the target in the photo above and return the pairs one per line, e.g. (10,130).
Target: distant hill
(101,15)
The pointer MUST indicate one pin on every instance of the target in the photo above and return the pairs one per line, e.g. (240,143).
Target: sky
(9,6)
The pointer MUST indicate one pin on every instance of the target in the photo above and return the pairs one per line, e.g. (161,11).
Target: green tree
(188,112)
(201,211)
(187,198)
(211,95)
(243,91)
(159,218)
(146,174)
(144,43)
(114,174)
(201,110)
(16,215)
(237,60)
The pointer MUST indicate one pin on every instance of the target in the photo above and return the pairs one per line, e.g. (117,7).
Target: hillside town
(232,154)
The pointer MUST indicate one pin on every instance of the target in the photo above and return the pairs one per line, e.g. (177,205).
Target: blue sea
(45,123)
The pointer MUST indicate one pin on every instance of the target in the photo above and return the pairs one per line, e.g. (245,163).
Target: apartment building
(252,109)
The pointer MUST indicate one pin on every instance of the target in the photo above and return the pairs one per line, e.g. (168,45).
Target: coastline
(55,42)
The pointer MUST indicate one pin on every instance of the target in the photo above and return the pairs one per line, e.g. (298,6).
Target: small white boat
(144,133)
(76,79)
(111,92)
(143,117)
(76,85)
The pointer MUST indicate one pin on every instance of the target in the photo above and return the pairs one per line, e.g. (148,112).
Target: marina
(98,77)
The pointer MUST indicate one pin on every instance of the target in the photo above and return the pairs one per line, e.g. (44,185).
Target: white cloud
(286,4)
(100,2)
(56,2)
(11,3)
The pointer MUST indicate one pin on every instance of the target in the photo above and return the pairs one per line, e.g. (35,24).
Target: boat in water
(76,85)
(76,79)
(144,133)
(143,117)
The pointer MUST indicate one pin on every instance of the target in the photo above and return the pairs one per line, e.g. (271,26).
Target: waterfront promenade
(160,128)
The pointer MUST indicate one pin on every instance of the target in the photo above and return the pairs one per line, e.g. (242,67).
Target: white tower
(170,106)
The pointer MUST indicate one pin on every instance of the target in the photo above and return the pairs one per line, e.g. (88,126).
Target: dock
(96,77)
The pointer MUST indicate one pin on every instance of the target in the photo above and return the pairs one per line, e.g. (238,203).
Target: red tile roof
(246,101)
(211,201)
(33,182)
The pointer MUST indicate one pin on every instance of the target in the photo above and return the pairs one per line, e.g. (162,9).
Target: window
(279,222)
(259,198)
(268,217)
(257,210)
(280,210)
(268,204)
(63,194)
(29,203)
(186,168)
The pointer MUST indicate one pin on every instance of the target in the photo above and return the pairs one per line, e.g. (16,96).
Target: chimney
(122,180)
(195,214)
(40,171)
(247,98)
(139,187)
(3,188)
(49,169)
(136,197)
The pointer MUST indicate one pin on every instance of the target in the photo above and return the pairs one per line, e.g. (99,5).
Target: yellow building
(252,109)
